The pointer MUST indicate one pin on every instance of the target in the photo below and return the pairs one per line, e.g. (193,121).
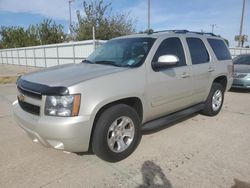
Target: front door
(169,89)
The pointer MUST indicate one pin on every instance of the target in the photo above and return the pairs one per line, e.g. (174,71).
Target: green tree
(13,37)
(48,32)
(99,15)
(32,36)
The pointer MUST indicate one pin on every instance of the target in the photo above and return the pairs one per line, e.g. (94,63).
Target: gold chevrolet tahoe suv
(130,85)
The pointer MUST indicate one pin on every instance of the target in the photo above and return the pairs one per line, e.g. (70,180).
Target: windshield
(129,52)
(242,60)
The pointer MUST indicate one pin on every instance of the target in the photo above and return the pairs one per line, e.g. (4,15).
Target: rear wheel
(117,133)
(214,101)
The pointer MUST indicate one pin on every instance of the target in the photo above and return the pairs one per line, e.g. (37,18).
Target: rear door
(201,68)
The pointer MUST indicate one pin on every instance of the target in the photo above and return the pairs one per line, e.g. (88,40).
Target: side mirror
(168,59)
(165,61)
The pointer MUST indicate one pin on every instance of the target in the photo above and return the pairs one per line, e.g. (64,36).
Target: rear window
(198,51)
(220,49)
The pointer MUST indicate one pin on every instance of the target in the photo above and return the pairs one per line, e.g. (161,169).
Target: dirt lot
(198,152)
(14,70)
(10,73)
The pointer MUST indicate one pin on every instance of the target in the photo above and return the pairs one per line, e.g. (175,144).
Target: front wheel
(214,101)
(117,133)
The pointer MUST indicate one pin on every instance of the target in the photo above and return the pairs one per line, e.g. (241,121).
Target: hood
(241,68)
(70,74)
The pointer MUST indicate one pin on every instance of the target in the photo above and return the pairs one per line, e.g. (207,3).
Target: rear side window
(198,51)
(171,46)
(220,49)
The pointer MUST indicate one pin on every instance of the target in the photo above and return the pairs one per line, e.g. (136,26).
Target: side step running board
(163,122)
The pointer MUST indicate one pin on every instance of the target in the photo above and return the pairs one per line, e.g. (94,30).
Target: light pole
(148,15)
(241,24)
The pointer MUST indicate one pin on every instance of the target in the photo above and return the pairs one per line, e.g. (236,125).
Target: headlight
(65,106)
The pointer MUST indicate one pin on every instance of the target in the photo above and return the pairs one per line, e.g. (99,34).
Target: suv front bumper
(66,133)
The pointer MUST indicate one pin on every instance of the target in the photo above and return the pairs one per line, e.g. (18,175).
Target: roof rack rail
(204,33)
(179,31)
(173,31)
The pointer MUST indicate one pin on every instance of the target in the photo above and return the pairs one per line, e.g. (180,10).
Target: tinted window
(242,60)
(220,49)
(171,46)
(198,51)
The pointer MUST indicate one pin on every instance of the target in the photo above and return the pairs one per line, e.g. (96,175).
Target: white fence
(57,54)
(237,51)
(49,55)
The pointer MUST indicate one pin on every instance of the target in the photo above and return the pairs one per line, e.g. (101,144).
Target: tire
(110,142)
(213,108)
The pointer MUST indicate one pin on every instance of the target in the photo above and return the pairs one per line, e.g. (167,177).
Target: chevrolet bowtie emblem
(21,97)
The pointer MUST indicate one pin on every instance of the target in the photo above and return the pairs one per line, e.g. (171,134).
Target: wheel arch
(134,102)
(221,80)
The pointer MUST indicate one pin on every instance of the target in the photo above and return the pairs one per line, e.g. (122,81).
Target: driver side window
(171,46)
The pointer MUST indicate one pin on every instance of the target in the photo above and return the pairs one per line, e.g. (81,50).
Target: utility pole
(93,33)
(70,20)
(241,24)
(213,26)
(149,15)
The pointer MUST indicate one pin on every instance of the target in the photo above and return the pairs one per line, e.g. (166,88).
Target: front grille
(29,108)
(29,93)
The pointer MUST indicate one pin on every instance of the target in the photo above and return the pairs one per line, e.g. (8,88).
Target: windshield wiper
(108,63)
(87,61)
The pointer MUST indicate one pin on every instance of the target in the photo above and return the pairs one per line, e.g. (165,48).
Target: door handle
(210,69)
(185,75)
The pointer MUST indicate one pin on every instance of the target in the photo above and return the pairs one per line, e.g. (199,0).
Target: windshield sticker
(131,62)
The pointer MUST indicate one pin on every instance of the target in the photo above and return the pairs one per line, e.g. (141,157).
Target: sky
(195,15)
